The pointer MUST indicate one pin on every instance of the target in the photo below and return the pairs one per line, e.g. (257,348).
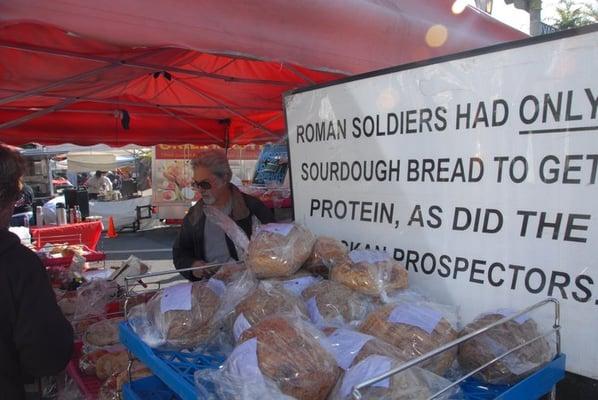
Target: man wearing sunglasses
(200,241)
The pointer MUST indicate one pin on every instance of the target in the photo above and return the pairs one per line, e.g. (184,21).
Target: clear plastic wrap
(327,252)
(92,298)
(330,303)
(415,328)
(349,347)
(279,358)
(101,334)
(298,282)
(279,250)
(132,266)
(497,341)
(230,227)
(266,299)
(179,316)
(230,272)
(111,363)
(412,384)
(370,272)
(112,387)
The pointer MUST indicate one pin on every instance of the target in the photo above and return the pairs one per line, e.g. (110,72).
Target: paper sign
(217,286)
(368,256)
(371,367)
(243,365)
(297,286)
(281,229)
(314,313)
(419,316)
(241,325)
(177,297)
(346,344)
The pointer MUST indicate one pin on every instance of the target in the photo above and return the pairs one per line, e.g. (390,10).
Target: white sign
(478,174)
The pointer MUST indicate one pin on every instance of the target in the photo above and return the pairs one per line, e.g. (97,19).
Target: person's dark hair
(98,174)
(12,169)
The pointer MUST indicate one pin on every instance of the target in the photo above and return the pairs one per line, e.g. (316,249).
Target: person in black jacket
(200,241)
(35,338)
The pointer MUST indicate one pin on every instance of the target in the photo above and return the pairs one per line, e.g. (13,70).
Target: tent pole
(55,107)
(265,123)
(73,78)
(137,104)
(238,114)
(142,65)
(299,74)
(191,124)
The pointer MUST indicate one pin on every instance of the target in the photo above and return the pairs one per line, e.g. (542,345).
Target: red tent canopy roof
(199,72)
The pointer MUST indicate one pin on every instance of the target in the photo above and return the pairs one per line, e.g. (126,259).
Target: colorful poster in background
(172,174)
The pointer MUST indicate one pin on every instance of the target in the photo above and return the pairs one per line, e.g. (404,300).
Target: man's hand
(199,273)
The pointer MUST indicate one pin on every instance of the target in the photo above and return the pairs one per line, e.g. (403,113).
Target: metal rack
(403,367)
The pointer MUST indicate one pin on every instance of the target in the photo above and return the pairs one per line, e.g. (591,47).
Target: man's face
(209,185)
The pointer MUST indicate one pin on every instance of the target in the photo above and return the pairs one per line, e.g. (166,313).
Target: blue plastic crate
(533,387)
(150,388)
(174,368)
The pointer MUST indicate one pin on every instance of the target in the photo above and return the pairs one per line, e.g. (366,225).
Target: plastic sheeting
(201,72)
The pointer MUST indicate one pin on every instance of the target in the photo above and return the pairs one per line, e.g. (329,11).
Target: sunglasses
(205,185)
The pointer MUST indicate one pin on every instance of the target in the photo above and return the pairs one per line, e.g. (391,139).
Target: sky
(519,19)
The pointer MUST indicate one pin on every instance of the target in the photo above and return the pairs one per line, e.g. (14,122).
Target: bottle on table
(78,217)
(39,216)
(60,214)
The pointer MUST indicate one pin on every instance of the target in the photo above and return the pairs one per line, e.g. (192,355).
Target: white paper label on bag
(507,312)
(281,229)
(217,286)
(371,367)
(177,297)
(368,256)
(419,316)
(314,313)
(243,365)
(241,325)
(297,286)
(346,344)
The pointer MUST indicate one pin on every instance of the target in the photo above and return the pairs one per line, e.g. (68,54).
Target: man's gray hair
(215,160)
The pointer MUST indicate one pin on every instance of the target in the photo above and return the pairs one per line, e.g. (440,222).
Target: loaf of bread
(326,253)
(266,299)
(279,250)
(87,362)
(415,329)
(181,315)
(370,272)
(101,334)
(497,341)
(111,363)
(289,353)
(331,303)
(412,384)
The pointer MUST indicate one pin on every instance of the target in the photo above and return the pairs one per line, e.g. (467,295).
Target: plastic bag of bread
(326,253)
(101,334)
(330,303)
(180,316)
(415,328)
(298,282)
(112,387)
(230,227)
(111,363)
(497,341)
(412,384)
(279,250)
(281,357)
(88,361)
(370,272)
(266,299)
(92,298)
(230,272)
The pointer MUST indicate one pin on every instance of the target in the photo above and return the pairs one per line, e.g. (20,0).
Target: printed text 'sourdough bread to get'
(481,349)
(415,330)
(279,250)
(370,272)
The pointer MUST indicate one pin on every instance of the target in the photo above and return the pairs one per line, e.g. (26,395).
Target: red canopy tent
(201,72)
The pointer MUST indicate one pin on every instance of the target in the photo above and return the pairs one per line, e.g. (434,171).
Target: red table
(87,233)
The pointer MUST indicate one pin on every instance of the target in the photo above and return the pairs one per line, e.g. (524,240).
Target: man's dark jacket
(35,338)
(189,244)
